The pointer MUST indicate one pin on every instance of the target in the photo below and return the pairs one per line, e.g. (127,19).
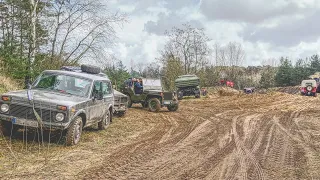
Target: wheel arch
(81,114)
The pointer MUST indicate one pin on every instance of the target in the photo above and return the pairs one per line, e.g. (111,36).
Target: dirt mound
(223,91)
(7,84)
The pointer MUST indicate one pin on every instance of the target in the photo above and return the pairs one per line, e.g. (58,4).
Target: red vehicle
(227,83)
(308,87)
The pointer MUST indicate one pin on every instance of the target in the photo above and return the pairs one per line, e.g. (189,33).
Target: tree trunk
(33,34)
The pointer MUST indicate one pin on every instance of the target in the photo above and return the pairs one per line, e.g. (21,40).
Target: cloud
(266,29)
(288,33)
(167,22)
(254,11)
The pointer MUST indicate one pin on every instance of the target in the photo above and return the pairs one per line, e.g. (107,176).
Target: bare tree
(189,45)
(82,28)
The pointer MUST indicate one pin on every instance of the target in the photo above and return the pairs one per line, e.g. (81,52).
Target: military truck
(152,97)
(68,99)
(187,85)
(120,103)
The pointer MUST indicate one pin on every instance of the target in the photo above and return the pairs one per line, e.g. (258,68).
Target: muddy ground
(263,136)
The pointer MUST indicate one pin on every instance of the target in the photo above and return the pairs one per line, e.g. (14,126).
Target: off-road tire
(309,88)
(74,132)
(173,107)
(197,95)
(154,105)
(8,129)
(129,102)
(106,121)
(90,69)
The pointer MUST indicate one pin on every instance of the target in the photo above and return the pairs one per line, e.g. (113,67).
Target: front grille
(26,112)
(167,96)
(187,83)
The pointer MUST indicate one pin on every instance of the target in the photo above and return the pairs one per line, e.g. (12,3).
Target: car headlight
(60,117)
(4,108)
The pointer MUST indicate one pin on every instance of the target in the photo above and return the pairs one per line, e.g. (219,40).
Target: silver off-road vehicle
(60,99)
(120,103)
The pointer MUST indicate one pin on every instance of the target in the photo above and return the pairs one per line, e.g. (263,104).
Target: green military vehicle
(152,96)
(187,85)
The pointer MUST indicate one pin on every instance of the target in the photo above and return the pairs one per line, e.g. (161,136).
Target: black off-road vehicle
(153,96)
(68,99)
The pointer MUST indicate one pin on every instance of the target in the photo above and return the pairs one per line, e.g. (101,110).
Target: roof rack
(84,69)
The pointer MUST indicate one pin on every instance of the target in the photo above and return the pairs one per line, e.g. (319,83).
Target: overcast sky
(266,28)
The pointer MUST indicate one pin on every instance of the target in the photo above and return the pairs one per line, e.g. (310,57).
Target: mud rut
(249,137)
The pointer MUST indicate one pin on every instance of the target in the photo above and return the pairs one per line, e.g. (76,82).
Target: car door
(96,110)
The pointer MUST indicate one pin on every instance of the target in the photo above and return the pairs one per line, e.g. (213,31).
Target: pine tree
(284,75)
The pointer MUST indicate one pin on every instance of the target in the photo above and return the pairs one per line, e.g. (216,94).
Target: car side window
(96,88)
(106,88)
(103,86)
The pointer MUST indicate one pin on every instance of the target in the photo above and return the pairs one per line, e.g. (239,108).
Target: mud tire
(129,102)
(154,105)
(74,132)
(173,107)
(106,121)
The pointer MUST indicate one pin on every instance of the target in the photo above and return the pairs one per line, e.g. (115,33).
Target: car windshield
(64,84)
(154,84)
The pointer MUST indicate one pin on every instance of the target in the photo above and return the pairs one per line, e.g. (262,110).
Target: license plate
(167,102)
(24,122)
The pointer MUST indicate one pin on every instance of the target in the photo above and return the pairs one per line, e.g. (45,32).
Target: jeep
(309,87)
(152,96)
(65,99)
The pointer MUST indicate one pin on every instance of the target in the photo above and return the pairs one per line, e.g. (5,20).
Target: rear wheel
(154,105)
(129,102)
(74,132)
(102,125)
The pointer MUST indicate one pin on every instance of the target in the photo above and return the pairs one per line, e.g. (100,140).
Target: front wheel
(154,105)
(74,132)
(173,107)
